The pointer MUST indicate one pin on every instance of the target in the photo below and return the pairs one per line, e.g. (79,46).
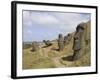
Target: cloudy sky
(40,25)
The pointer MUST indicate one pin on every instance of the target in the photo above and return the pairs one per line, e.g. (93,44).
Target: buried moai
(35,46)
(47,43)
(67,39)
(60,42)
(79,42)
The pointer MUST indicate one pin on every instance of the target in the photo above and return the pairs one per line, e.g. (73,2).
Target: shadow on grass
(68,58)
(55,49)
(46,46)
(32,50)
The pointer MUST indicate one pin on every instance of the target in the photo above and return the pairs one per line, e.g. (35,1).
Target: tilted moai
(47,43)
(60,42)
(78,44)
(67,39)
(35,46)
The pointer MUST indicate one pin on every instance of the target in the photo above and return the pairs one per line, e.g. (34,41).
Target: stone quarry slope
(50,57)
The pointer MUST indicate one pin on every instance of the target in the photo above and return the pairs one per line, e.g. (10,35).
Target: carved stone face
(77,43)
(67,39)
(78,37)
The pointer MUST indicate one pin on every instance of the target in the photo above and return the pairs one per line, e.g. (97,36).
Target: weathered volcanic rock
(60,42)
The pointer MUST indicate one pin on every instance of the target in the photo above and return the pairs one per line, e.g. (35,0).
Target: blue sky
(42,25)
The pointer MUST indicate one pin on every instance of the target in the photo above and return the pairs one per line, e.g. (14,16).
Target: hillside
(50,57)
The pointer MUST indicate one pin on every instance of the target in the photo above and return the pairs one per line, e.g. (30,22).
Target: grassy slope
(49,57)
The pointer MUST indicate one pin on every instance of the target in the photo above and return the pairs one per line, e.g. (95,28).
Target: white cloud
(29,32)
(26,14)
(53,23)
(52,18)
(27,18)
(71,18)
(69,21)
(38,18)
(43,19)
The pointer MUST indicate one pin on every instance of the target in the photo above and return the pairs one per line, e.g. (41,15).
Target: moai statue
(60,42)
(87,32)
(47,43)
(35,46)
(78,44)
(67,39)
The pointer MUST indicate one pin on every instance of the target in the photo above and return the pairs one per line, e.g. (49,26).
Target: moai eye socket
(76,38)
